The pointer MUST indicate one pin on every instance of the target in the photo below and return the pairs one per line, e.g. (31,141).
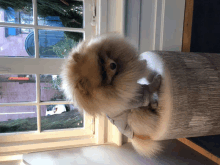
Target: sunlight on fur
(100,76)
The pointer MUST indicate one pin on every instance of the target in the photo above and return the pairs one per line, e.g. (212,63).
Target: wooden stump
(189,100)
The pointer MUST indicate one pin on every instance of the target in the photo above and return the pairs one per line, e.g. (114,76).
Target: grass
(71,119)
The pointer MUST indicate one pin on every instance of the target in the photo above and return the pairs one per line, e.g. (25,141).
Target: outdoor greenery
(71,119)
(70,12)
(63,47)
(53,83)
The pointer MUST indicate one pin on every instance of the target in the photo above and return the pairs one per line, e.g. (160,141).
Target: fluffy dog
(101,76)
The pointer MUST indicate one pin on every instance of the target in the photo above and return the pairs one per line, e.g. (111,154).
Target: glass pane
(57,44)
(17,88)
(50,88)
(19,12)
(61,13)
(16,42)
(60,117)
(18,119)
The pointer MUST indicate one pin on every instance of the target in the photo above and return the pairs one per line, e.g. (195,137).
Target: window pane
(18,119)
(17,88)
(16,42)
(19,12)
(50,88)
(57,44)
(60,117)
(61,13)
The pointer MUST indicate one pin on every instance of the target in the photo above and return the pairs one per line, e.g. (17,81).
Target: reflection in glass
(52,44)
(17,88)
(60,117)
(19,12)
(57,44)
(63,13)
(50,88)
(18,119)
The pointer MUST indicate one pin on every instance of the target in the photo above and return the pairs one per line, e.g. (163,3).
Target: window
(35,38)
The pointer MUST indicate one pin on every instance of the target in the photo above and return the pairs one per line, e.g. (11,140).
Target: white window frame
(110,16)
(20,141)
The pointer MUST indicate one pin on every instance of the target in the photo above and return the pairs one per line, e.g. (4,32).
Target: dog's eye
(102,61)
(113,66)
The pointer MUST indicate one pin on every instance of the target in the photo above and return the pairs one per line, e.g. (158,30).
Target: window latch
(93,22)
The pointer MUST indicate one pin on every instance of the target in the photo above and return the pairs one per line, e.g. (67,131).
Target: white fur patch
(155,63)
(143,81)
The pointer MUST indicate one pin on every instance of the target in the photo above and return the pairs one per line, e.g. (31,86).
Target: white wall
(155,24)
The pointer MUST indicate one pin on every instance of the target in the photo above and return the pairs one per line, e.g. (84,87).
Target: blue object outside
(11,18)
(12,31)
(46,38)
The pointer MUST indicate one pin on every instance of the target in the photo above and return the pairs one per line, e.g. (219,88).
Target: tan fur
(83,83)
(146,148)
(164,108)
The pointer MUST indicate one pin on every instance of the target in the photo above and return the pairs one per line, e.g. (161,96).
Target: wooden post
(187,29)
(189,100)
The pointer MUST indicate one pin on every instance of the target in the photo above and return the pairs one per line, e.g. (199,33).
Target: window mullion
(35,28)
(38,103)
(35,103)
(87,17)
(39,66)
(37,56)
(80,30)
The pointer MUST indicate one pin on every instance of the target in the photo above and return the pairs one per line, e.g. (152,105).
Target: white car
(58,109)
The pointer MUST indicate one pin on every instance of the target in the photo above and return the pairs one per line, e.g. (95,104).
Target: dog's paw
(157,81)
(154,101)
(155,85)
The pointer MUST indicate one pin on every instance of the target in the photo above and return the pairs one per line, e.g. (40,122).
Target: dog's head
(101,74)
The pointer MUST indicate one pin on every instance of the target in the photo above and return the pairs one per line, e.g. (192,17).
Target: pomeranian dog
(100,76)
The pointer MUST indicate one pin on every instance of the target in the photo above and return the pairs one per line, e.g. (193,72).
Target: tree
(63,47)
(70,12)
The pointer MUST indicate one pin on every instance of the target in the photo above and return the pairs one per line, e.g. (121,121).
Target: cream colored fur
(83,83)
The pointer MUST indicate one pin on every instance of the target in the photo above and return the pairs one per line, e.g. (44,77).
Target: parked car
(58,109)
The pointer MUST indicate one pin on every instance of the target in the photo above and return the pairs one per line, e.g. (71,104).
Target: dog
(100,75)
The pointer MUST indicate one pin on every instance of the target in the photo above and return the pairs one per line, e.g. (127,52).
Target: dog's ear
(83,85)
(77,57)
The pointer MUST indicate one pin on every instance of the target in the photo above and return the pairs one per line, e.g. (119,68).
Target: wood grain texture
(195,79)
(200,150)
(187,33)
(193,100)
(187,29)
